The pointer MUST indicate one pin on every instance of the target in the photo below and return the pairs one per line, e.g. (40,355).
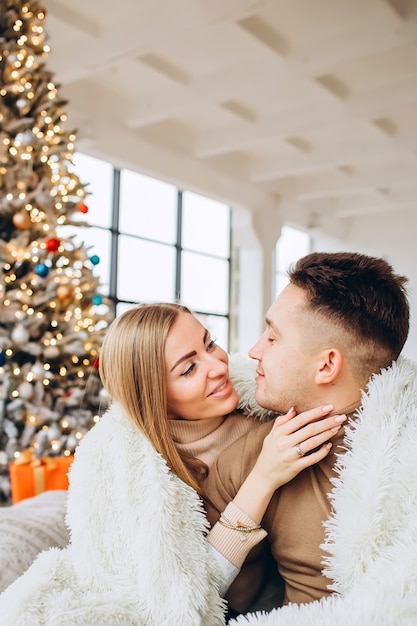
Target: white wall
(394,239)
(247,283)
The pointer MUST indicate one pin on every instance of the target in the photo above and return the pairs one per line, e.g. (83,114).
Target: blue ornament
(2,359)
(95,260)
(97,299)
(41,270)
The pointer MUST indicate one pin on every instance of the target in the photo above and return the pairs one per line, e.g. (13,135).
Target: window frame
(118,303)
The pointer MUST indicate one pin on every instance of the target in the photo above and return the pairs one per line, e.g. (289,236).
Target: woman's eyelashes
(210,346)
(190,369)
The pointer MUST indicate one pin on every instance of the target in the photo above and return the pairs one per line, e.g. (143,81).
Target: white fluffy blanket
(138,555)
(372,535)
(158,529)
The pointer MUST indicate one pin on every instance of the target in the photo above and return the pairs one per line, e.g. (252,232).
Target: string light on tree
(51,326)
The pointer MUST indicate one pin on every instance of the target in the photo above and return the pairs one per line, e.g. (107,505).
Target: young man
(334,331)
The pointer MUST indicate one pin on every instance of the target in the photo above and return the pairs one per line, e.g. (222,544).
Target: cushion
(27,528)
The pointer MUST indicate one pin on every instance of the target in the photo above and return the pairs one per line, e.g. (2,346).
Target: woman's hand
(294,443)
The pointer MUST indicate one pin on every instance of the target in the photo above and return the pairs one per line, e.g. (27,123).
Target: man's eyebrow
(189,354)
(270,323)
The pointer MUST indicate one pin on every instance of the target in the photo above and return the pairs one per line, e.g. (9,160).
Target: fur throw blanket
(372,534)
(138,555)
(371,537)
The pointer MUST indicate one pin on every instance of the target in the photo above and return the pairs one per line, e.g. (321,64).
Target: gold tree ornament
(50,329)
(22,220)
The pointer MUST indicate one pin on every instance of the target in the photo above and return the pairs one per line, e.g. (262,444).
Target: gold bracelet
(241,528)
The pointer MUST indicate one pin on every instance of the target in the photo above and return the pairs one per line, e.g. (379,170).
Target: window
(292,245)
(148,207)
(205,239)
(145,270)
(97,177)
(156,242)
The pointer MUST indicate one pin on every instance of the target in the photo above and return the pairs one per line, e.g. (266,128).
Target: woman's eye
(211,345)
(189,370)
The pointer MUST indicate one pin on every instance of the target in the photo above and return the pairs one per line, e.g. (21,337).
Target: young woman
(140,550)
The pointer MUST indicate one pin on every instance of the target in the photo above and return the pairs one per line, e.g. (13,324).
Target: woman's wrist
(235,534)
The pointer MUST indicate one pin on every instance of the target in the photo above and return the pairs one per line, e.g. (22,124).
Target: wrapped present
(30,476)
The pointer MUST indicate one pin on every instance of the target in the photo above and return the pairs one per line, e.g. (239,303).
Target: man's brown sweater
(293,520)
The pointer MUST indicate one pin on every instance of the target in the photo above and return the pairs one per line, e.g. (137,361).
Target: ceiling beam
(178,100)
(284,123)
(141,31)
(70,17)
(128,149)
(369,209)
(338,184)
(327,158)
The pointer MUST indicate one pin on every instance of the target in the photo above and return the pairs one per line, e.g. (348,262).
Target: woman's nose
(216,365)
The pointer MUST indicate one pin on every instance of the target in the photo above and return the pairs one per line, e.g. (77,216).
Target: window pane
(218,328)
(292,244)
(121,307)
(205,283)
(206,225)
(148,207)
(98,242)
(146,270)
(280,282)
(97,176)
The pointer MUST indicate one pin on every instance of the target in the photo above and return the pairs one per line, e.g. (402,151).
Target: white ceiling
(309,106)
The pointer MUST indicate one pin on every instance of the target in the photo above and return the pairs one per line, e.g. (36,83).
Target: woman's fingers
(305,443)
(314,457)
(283,419)
(295,442)
(327,426)
(295,422)
(307,424)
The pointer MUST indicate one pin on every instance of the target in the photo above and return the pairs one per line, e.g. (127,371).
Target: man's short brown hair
(361,294)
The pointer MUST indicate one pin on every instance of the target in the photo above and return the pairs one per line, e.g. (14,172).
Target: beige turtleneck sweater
(205,439)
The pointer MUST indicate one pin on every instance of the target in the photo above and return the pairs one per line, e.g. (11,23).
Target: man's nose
(255,352)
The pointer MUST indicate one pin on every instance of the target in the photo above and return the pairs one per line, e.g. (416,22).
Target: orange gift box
(30,476)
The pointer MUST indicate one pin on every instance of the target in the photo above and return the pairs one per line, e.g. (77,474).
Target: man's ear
(329,366)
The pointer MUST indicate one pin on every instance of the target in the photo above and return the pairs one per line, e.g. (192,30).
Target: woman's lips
(222,390)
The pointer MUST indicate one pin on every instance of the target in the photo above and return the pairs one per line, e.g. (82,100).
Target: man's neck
(347,409)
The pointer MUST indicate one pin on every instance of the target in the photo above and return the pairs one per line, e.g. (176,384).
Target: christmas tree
(52,315)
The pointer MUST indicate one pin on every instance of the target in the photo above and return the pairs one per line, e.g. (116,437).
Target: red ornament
(53,244)
(83,208)
(96,363)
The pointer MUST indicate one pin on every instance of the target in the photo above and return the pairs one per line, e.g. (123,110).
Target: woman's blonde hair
(132,368)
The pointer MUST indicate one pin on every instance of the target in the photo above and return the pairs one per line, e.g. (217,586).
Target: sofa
(27,528)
